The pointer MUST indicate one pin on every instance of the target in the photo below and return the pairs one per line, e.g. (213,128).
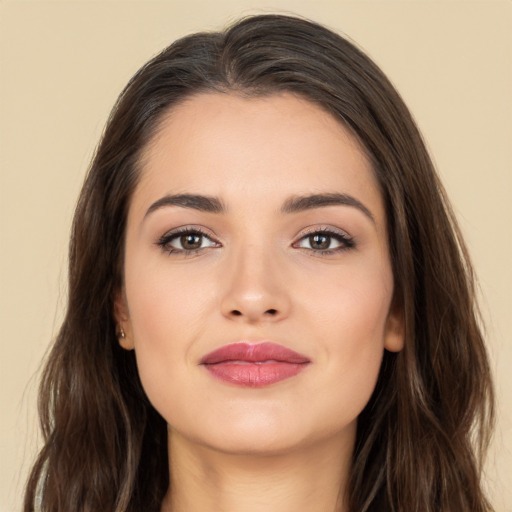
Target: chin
(264,436)
(262,446)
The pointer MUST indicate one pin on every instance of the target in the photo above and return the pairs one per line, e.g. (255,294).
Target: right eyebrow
(202,203)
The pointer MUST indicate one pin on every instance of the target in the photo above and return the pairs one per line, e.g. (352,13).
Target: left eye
(185,241)
(324,241)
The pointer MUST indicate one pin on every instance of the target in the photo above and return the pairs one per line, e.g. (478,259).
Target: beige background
(62,65)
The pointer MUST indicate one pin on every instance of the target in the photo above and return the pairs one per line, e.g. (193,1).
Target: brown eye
(187,241)
(191,241)
(325,241)
(319,241)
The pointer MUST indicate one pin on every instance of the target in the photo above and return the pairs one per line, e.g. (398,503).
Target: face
(258,285)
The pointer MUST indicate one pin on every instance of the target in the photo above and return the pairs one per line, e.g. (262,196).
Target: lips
(254,365)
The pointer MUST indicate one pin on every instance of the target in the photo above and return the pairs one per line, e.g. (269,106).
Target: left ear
(123,324)
(394,336)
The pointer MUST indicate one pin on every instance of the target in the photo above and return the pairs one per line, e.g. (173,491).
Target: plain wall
(62,65)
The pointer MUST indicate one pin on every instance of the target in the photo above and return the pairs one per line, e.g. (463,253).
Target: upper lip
(254,353)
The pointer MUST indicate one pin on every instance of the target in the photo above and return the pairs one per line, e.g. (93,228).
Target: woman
(270,304)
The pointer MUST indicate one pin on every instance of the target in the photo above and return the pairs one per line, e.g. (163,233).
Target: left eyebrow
(301,203)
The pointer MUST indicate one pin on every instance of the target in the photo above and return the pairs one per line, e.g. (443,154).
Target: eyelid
(347,241)
(174,233)
(323,228)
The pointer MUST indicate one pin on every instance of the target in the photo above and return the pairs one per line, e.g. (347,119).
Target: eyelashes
(186,241)
(325,241)
(189,241)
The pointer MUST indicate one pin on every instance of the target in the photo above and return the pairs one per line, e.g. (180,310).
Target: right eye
(186,241)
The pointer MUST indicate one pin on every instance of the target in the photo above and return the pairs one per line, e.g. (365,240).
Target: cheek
(352,307)
(168,310)
(349,321)
(165,302)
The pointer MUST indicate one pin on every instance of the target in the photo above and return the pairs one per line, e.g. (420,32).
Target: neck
(311,479)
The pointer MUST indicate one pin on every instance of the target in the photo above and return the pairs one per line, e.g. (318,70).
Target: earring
(121,334)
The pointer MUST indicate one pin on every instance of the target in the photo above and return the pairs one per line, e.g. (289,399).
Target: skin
(257,276)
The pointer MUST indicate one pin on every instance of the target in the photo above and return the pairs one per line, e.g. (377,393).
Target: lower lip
(254,375)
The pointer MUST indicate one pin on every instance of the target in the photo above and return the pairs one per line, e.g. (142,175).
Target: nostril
(235,312)
(271,312)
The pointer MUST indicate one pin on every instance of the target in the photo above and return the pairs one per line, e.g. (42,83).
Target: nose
(255,288)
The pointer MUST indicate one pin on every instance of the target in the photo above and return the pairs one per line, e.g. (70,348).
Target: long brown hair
(422,436)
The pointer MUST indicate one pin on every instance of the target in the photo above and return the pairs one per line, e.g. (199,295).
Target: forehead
(267,147)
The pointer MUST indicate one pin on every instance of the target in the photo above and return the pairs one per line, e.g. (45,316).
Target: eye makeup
(186,241)
(191,240)
(324,241)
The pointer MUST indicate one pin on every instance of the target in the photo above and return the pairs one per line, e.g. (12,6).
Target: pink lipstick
(254,366)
